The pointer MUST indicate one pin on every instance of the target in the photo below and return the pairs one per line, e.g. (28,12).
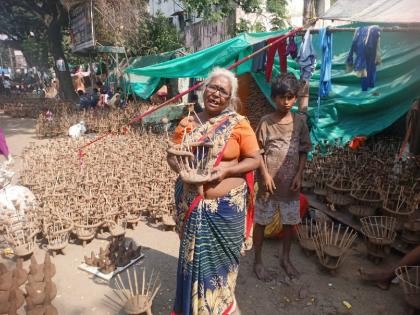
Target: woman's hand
(177,159)
(219,173)
(297,182)
(269,183)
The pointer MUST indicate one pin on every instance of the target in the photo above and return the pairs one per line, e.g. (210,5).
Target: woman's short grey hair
(220,72)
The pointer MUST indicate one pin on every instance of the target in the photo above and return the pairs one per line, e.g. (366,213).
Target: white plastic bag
(15,200)
(77,130)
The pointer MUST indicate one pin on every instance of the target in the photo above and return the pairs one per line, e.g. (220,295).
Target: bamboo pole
(352,29)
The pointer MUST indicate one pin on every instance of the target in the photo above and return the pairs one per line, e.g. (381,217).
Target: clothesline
(352,29)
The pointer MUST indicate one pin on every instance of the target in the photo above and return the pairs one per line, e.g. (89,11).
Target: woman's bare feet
(381,279)
(262,273)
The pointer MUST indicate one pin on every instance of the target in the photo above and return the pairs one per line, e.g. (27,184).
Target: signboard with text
(81,22)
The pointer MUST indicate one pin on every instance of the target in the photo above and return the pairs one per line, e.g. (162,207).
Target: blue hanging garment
(326,40)
(258,62)
(306,57)
(367,49)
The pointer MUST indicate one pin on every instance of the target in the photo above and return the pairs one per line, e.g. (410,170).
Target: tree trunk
(307,11)
(56,49)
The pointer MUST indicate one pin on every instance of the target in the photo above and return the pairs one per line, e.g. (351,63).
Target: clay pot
(43,310)
(19,274)
(14,302)
(6,281)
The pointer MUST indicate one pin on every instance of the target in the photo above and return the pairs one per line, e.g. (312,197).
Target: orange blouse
(242,141)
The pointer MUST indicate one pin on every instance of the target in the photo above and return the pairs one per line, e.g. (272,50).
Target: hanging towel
(292,49)
(325,41)
(367,49)
(306,57)
(271,53)
(258,62)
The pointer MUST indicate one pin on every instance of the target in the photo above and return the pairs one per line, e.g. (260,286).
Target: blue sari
(212,235)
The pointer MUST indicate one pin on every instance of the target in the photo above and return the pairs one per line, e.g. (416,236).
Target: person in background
(94,99)
(2,83)
(84,101)
(383,278)
(79,84)
(7,86)
(114,102)
(411,143)
(105,94)
(284,140)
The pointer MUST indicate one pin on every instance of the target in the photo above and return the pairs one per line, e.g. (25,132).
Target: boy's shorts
(266,210)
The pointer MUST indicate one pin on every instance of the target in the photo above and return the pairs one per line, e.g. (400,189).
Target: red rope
(196,86)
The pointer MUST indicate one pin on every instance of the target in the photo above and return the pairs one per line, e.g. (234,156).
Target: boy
(284,139)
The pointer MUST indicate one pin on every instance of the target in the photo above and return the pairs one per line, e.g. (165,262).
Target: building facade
(199,34)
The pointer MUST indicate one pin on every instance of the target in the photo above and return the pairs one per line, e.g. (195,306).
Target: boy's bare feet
(262,273)
(381,279)
(290,270)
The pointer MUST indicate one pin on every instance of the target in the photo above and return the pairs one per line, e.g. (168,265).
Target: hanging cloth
(306,57)
(367,49)
(325,41)
(373,57)
(271,53)
(292,49)
(258,62)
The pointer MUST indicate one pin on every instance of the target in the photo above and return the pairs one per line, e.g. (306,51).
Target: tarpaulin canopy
(375,11)
(142,86)
(347,111)
(199,64)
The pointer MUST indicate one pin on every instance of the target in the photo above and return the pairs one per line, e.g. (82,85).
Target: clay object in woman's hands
(193,162)
(177,150)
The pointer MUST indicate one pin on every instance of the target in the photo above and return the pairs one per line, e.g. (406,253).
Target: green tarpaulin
(142,86)
(199,64)
(347,111)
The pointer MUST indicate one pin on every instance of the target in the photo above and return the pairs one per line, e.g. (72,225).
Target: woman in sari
(213,227)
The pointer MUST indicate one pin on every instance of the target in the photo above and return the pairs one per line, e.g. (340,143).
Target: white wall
(295,9)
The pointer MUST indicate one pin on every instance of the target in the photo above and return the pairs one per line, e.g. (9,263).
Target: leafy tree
(155,35)
(243,26)
(259,27)
(35,51)
(246,26)
(116,21)
(45,19)
(216,9)
(279,9)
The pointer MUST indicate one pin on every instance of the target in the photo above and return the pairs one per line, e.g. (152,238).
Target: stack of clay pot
(40,290)
(32,107)
(115,255)
(96,121)
(11,296)
(118,181)
(368,182)
(258,105)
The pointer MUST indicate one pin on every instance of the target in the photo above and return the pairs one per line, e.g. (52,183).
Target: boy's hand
(297,181)
(269,183)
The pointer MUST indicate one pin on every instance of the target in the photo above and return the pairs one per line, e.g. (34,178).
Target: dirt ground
(316,292)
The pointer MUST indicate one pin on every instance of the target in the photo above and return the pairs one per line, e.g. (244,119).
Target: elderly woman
(214,224)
